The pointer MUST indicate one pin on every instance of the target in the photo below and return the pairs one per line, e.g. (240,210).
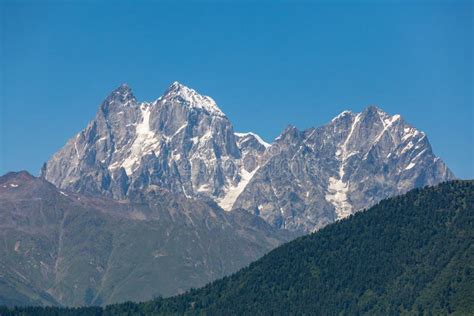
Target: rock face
(184,143)
(64,248)
(181,142)
(314,177)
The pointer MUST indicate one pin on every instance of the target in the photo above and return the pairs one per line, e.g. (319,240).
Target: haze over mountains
(64,248)
(303,180)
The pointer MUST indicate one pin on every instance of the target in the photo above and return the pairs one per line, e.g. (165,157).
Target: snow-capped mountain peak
(182,142)
(319,175)
(192,98)
(250,134)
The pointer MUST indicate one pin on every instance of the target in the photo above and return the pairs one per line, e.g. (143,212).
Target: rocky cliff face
(184,143)
(314,177)
(181,142)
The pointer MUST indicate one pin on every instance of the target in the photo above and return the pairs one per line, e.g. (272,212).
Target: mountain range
(408,255)
(155,198)
(182,142)
(64,248)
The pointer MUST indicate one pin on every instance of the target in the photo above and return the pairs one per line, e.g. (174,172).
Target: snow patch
(341,115)
(75,147)
(13,185)
(337,196)
(419,154)
(409,133)
(204,188)
(179,129)
(337,188)
(145,141)
(407,147)
(233,192)
(194,99)
(387,122)
(258,138)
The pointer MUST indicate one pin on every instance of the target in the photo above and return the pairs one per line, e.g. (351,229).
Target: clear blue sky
(267,66)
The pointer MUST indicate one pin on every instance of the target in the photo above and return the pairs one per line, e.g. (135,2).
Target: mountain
(64,248)
(181,142)
(319,175)
(409,255)
(184,143)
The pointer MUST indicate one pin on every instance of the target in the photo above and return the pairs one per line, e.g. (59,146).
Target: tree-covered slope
(413,254)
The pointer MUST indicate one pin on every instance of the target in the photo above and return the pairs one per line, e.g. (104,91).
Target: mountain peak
(178,91)
(374,110)
(13,180)
(123,89)
(177,84)
(290,132)
(16,175)
(121,94)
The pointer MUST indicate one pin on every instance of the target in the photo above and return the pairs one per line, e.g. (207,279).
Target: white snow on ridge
(342,114)
(233,192)
(259,139)
(194,99)
(145,141)
(387,122)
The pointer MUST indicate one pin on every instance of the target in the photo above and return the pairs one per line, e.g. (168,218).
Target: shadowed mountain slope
(64,248)
(409,255)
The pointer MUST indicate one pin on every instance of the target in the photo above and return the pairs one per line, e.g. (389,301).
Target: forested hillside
(413,254)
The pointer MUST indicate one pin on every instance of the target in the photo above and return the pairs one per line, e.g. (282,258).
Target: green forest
(409,255)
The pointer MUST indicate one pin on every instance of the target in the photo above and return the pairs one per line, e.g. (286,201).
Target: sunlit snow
(258,138)
(233,192)
(145,141)
(337,188)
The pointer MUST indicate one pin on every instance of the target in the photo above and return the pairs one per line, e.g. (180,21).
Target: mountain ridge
(66,248)
(407,255)
(184,143)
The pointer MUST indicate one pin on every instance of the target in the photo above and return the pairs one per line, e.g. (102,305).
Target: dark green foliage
(412,254)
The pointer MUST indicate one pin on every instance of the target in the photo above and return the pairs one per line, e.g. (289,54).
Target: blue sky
(266,65)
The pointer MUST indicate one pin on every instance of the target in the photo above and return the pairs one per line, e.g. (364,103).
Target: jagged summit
(123,90)
(373,108)
(305,179)
(369,110)
(176,85)
(192,98)
(327,173)
(255,136)
(176,92)
(120,96)
(289,132)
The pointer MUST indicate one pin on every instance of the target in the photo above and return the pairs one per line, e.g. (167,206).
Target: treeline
(412,255)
